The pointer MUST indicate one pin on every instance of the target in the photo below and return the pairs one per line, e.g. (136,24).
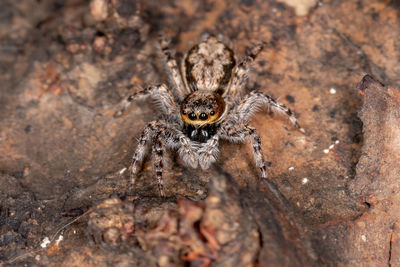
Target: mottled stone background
(65,198)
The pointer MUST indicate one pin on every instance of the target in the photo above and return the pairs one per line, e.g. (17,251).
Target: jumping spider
(205,104)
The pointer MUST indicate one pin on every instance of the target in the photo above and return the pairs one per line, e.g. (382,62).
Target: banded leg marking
(239,133)
(140,151)
(160,93)
(255,141)
(256,100)
(157,151)
(240,73)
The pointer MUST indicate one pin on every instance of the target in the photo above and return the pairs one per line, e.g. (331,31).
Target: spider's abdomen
(208,65)
(201,134)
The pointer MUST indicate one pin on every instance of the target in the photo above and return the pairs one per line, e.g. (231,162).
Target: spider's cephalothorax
(206,102)
(200,112)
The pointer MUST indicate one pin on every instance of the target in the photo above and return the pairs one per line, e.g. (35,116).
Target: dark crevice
(390,251)
(196,226)
(367,204)
(260,242)
(246,205)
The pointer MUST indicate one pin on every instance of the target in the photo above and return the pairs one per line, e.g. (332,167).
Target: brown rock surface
(376,231)
(65,66)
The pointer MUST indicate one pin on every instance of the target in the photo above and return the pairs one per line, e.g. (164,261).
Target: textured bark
(372,239)
(66,65)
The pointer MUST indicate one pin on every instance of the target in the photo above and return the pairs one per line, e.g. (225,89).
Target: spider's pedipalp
(181,90)
(186,152)
(208,152)
(255,101)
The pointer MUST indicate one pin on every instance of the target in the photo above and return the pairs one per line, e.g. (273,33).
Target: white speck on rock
(45,242)
(59,239)
(301,7)
(122,171)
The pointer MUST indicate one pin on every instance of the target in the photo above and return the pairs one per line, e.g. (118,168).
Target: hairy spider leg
(181,90)
(162,136)
(240,133)
(141,148)
(240,73)
(158,161)
(255,101)
(159,93)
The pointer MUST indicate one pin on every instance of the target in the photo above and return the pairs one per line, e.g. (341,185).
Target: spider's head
(202,107)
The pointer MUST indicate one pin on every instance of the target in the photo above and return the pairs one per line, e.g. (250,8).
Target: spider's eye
(212,112)
(184,112)
(192,116)
(203,116)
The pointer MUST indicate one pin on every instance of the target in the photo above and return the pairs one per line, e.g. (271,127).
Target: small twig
(68,224)
(51,240)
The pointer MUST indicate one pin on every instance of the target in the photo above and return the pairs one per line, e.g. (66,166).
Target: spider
(206,103)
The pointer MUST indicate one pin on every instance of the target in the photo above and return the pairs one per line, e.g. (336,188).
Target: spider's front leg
(255,101)
(162,136)
(159,93)
(141,148)
(239,133)
(154,132)
(158,151)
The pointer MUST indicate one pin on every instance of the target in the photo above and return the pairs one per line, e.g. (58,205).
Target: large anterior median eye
(192,116)
(203,116)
